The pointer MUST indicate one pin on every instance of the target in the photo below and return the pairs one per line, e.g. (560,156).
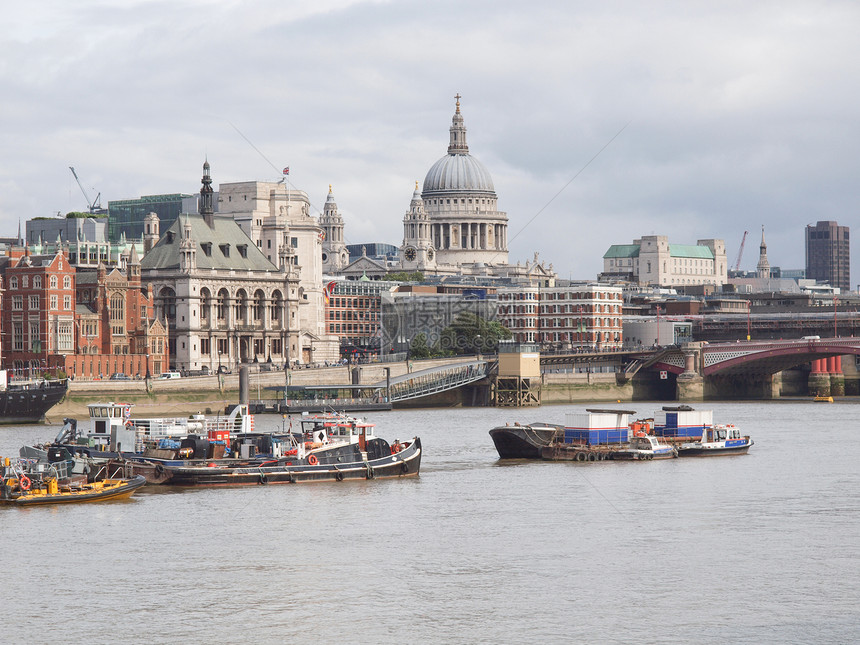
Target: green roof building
(652,260)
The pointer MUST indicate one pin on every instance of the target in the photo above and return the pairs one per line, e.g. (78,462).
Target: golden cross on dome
(458,97)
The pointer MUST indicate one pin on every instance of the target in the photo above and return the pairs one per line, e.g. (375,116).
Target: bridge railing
(413,386)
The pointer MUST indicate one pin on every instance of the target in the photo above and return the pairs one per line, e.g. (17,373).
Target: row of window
(37,282)
(34,302)
(572,323)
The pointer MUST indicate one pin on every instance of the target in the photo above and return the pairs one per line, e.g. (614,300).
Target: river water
(760,548)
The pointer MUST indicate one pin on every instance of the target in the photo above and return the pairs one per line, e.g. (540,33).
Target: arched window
(53,282)
(276,309)
(168,304)
(67,282)
(205,305)
(259,305)
(221,307)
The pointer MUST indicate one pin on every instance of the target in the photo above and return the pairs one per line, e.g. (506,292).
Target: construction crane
(741,251)
(95,205)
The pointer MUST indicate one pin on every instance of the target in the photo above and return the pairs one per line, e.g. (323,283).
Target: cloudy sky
(737,114)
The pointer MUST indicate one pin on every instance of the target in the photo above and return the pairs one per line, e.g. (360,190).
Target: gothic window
(259,305)
(221,308)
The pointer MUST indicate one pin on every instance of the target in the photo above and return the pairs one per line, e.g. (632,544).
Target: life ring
(159,469)
(24,482)
(312,460)
(338,476)
(580,456)
(404,468)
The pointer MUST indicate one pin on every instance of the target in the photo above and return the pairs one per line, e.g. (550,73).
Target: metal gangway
(431,381)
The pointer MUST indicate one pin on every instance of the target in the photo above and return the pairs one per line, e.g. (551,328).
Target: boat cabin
(721,433)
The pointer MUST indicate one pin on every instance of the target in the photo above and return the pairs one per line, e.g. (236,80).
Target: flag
(287,170)
(328,290)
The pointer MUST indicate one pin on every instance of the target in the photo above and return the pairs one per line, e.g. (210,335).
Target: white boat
(717,440)
(647,447)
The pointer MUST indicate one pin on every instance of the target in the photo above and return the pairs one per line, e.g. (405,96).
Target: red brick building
(89,324)
(39,317)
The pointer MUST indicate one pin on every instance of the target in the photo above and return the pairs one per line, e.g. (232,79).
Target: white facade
(279,222)
(653,260)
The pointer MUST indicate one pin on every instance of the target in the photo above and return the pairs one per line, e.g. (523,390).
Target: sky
(599,122)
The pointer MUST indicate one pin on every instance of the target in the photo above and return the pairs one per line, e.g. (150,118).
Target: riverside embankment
(210,394)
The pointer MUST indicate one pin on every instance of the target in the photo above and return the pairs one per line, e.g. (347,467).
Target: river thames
(761,548)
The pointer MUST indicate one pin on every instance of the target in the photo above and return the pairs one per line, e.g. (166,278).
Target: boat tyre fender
(312,460)
(264,479)
(404,468)
(369,472)
(338,476)
(25,482)
(592,457)
(580,456)
(159,469)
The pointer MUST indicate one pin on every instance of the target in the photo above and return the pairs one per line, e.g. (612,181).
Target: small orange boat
(24,484)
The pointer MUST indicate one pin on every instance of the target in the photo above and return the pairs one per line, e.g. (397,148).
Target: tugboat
(329,448)
(717,440)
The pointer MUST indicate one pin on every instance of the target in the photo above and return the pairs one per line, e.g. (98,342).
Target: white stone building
(278,221)
(224,303)
(652,260)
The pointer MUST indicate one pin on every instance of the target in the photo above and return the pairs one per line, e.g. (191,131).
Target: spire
(457,144)
(206,197)
(762,269)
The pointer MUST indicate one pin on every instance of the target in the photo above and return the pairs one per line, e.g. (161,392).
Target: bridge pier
(689,386)
(819,380)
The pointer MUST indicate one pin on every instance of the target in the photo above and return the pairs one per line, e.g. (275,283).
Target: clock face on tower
(409,254)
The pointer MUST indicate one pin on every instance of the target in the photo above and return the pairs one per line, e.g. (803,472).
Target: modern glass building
(126,215)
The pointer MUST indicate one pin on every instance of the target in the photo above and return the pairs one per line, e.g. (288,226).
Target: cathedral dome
(460,173)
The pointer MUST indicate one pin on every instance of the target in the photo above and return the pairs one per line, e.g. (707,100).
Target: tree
(419,348)
(471,334)
(405,276)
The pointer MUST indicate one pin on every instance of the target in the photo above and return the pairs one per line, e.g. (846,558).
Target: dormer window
(225,249)
(170,236)
(243,250)
(207,249)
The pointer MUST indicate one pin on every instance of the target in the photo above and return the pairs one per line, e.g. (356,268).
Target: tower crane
(94,205)
(741,252)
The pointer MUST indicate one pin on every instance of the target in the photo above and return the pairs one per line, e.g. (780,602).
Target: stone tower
(334,254)
(762,269)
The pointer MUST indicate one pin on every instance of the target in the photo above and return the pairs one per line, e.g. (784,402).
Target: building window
(53,282)
(67,303)
(18,336)
(34,302)
(35,342)
(64,337)
(67,282)
(13,283)
(53,301)
(37,282)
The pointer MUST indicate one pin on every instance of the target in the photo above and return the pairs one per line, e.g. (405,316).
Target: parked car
(119,376)
(167,375)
